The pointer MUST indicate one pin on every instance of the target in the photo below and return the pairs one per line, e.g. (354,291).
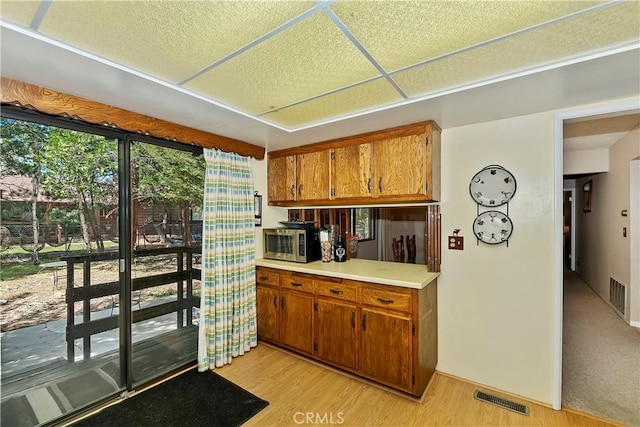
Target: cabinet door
(351,172)
(313,175)
(336,340)
(281,177)
(296,321)
(267,312)
(400,166)
(385,353)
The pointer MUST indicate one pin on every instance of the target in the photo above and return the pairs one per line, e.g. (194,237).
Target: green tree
(22,148)
(169,176)
(82,167)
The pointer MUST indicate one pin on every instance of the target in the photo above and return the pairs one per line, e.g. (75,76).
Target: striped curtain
(227,325)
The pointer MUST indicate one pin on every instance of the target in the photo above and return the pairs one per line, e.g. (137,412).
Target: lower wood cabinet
(336,337)
(267,298)
(387,334)
(296,321)
(391,366)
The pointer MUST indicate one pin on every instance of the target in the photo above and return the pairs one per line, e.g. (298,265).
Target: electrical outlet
(456,242)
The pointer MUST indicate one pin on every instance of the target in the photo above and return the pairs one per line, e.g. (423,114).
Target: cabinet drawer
(298,283)
(387,299)
(337,290)
(266,277)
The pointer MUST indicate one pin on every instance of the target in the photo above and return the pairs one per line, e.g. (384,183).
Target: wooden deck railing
(185,301)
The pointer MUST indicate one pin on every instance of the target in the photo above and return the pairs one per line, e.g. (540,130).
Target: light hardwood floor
(300,392)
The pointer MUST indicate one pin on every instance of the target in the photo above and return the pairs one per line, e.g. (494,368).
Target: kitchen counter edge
(414,276)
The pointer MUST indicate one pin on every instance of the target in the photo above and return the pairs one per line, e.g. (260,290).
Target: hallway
(601,356)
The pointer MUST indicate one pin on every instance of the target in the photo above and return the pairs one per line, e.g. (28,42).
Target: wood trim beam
(49,101)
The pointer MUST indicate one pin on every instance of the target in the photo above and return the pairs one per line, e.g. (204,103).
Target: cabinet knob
(300,190)
(369,185)
(380,185)
(275,301)
(364,322)
(385,301)
(335,291)
(293,193)
(296,284)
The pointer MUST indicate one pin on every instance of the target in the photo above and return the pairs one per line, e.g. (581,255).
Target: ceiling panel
(20,12)
(306,60)
(170,40)
(611,27)
(403,33)
(287,64)
(361,97)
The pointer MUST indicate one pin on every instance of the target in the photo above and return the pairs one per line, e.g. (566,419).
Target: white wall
(602,250)
(495,303)
(271,215)
(586,161)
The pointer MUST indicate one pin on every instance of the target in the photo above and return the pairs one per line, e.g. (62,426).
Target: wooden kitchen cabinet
(336,320)
(390,166)
(267,300)
(385,352)
(353,176)
(281,182)
(296,321)
(313,175)
(400,167)
(387,334)
(268,304)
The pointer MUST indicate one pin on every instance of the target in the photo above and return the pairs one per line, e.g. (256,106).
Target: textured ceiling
(300,63)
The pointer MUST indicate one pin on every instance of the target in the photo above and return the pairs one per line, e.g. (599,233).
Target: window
(363,223)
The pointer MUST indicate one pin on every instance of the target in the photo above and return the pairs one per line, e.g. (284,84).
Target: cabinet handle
(300,190)
(385,301)
(353,319)
(335,291)
(264,277)
(275,301)
(369,185)
(282,302)
(293,193)
(364,322)
(296,284)
(380,185)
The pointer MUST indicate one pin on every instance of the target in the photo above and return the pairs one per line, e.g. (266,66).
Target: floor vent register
(503,403)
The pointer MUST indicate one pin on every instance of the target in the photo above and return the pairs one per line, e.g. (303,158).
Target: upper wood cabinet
(391,166)
(281,181)
(353,174)
(313,175)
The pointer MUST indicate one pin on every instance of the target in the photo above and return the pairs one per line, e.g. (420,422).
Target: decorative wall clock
(492,187)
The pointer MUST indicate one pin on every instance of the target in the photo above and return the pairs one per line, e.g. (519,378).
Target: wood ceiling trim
(49,101)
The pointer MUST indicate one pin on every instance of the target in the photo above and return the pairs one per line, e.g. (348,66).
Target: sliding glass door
(60,270)
(100,250)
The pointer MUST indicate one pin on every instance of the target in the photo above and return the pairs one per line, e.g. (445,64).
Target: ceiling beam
(49,101)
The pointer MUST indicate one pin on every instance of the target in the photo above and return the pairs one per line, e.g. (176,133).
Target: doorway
(567,316)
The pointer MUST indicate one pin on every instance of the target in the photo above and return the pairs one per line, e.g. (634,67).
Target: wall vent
(617,295)
(503,403)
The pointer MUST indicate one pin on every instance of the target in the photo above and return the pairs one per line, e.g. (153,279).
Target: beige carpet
(600,357)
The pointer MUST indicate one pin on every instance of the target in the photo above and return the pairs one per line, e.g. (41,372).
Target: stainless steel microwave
(292,244)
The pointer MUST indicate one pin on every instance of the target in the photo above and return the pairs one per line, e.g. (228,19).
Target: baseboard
(635,324)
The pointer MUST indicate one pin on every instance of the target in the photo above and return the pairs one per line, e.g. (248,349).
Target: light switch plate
(456,243)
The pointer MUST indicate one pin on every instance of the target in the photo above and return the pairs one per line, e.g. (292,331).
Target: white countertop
(415,276)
